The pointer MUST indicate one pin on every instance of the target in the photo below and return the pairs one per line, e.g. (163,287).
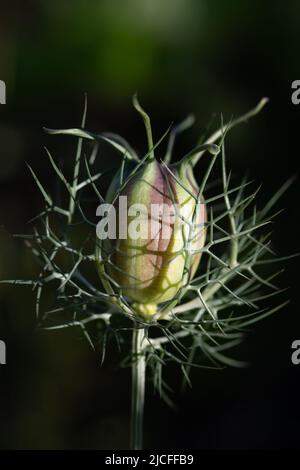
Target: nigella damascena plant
(173,267)
(151,244)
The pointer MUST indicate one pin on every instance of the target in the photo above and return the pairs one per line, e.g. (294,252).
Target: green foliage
(232,290)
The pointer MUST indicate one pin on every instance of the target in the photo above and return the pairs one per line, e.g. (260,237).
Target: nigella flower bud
(153,257)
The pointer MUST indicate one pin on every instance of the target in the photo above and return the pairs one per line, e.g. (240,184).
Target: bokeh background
(204,56)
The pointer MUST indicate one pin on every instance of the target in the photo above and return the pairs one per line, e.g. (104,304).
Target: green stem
(147,124)
(138,388)
(76,168)
(219,133)
(234,246)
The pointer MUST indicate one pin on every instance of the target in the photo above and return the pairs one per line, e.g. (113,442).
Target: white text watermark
(296,353)
(2,352)
(295,97)
(2,92)
(139,221)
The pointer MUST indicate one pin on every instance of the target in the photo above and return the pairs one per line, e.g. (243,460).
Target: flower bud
(153,258)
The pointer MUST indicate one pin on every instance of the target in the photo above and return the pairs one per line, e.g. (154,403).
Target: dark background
(204,56)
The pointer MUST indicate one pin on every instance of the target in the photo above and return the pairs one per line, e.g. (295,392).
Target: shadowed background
(181,56)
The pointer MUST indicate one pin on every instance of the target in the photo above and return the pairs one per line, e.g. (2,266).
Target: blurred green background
(182,56)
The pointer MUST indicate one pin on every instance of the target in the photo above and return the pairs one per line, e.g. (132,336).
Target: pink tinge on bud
(164,225)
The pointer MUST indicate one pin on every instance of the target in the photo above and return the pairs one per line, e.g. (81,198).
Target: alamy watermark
(156,221)
(2,352)
(2,92)
(296,94)
(296,354)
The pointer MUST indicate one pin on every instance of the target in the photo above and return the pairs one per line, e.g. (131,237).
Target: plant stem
(138,388)
(218,134)
(147,124)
